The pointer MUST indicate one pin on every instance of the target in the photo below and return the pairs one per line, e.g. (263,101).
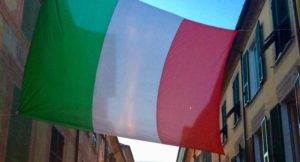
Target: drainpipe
(244,117)
(245,133)
(77,146)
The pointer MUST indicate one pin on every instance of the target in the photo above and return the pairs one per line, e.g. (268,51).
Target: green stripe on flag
(62,61)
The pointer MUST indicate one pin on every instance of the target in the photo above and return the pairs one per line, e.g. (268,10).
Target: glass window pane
(253,72)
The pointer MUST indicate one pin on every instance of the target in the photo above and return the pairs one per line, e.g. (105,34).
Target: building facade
(25,140)
(260,111)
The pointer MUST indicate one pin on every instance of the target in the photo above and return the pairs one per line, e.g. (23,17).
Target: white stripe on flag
(130,68)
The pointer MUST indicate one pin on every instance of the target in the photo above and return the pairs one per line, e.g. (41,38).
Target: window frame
(265,140)
(257,55)
(261,143)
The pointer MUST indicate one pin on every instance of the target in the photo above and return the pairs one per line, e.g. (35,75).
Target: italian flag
(128,69)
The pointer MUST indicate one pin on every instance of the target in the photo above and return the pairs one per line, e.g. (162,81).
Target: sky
(150,152)
(219,13)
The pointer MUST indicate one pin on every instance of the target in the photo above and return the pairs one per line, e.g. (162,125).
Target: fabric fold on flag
(127,69)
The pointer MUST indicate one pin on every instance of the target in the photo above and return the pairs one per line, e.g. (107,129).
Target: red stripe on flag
(190,88)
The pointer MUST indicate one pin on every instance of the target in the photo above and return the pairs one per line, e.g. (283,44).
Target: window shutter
(224,123)
(245,78)
(224,114)
(236,98)
(235,88)
(259,52)
(277,135)
(250,150)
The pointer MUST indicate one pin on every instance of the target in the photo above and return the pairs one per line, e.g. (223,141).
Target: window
(258,144)
(204,157)
(253,67)
(56,148)
(281,25)
(284,146)
(224,124)
(236,99)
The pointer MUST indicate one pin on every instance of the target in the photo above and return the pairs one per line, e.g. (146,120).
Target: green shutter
(236,99)
(277,135)
(235,87)
(245,78)
(224,123)
(224,114)
(259,52)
